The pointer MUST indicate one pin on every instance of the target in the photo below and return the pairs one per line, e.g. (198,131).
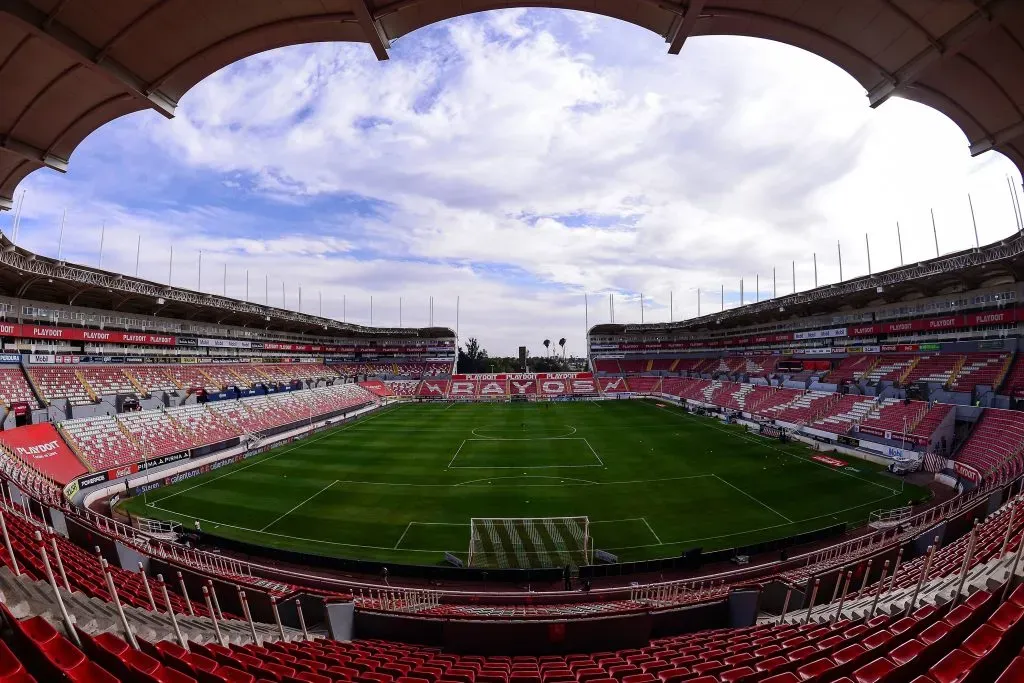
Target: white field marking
(410,525)
(450,466)
(449,405)
(605,521)
(456,454)
(402,537)
(601,462)
(584,482)
(831,513)
(648,525)
(299,505)
(294,538)
(756,500)
(300,444)
(498,438)
(778,450)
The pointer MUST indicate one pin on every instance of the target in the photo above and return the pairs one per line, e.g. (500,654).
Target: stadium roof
(69,66)
(25,275)
(959,272)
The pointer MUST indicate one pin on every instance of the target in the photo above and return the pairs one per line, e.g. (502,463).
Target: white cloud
(517,159)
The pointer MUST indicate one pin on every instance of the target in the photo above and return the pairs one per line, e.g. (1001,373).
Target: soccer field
(403,484)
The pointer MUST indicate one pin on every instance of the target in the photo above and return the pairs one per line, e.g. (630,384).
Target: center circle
(523,432)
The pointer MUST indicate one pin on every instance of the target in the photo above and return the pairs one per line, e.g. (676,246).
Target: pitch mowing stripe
(522,536)
(548,532)
(572,536)
(498,557)
(484,552)
(513,544)
(542,550)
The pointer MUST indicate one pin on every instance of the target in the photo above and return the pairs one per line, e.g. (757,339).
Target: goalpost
(529,542)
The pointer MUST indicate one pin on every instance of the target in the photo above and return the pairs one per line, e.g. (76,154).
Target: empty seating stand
(998,437)
(202,425)
(56,383)
(980,369)
(14,387)
(101,442)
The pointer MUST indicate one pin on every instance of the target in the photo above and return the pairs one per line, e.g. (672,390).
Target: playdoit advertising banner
(42,448)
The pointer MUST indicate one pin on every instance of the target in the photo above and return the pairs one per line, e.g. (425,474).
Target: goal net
(529,543)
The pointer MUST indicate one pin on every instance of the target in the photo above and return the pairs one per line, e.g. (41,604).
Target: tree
(547,346)
(561,342)
(474,358)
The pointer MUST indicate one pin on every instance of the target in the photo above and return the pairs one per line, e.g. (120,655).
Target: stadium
(818,486)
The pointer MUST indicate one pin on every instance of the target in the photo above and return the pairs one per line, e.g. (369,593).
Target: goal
(529,543)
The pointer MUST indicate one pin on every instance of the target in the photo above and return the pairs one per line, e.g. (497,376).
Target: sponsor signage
(92,480)
(80,334)
(188,341)
(162,460)
(828,460)
(821,334)
(225,343)
(8,358)
(966,471)
(43,449)
(119,472)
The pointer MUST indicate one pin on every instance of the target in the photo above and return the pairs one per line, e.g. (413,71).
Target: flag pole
(138,250)
(199,285)
(815,270)
(899,238)
(60,239)
(935,233)
(671,308)
(170,265)
(775,285)
(103,234)
(1009,186)
(757,288)
(641,308)
(977,244)
(839,250)
(867,245)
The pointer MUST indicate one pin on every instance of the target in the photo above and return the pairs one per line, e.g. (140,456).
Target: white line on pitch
(831,513)
(299,505)
(759,502)
(600,462)
(300,444)
(315,541)
(760,442)
(402,537)
(648,524)
(456,454)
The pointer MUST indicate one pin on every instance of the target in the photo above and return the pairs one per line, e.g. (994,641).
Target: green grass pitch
(402,484)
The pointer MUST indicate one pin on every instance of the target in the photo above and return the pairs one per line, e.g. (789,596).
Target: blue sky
(518,160)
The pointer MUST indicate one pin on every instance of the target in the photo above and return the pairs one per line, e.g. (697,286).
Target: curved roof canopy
(69,66)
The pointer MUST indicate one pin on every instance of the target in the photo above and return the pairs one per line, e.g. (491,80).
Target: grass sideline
(401,485)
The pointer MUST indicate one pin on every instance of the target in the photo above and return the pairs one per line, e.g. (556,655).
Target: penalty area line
(756,500)
(299,505)
(648,525)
